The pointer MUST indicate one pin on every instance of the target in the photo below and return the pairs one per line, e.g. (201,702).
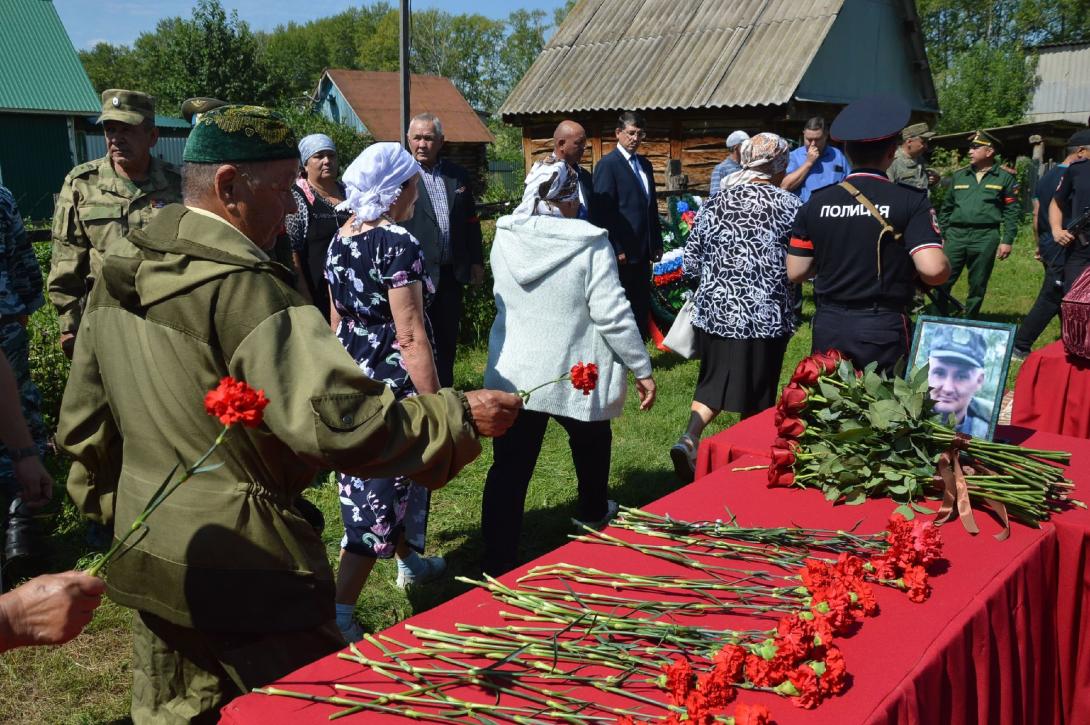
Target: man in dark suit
(569,141)
(625,204)
(445,223)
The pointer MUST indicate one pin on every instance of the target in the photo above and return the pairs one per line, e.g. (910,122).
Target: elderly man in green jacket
(231,585)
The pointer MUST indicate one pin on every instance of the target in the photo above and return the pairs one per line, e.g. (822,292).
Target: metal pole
(404,72)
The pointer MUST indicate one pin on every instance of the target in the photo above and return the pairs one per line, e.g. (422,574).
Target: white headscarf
(564,186)
(373,180)
(762,157)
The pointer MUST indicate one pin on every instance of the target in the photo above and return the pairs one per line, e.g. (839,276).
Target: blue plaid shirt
(437,192)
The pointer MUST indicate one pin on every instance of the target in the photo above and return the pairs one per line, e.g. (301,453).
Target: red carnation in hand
(584,376)
(233,401)
(807,372)
(751,715)
(793,399)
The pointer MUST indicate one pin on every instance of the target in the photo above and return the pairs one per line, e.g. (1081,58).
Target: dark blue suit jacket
(623,209)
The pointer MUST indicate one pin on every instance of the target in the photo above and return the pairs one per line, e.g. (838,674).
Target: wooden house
(700,69)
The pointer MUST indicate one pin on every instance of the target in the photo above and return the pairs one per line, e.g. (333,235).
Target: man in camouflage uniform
(102,201)
(909,165)
(20,295)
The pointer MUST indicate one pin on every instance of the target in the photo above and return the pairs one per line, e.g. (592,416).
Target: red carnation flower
(233,401)
(731,661)
(745,714)
(761,672)
(584,376)
(806,683)
(716,688)
(915,581)
(835,678)
(793,399)
(794,638)
(926,541)
(792,427)
(679,680)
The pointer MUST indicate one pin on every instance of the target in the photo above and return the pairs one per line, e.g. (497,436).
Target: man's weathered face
(129,146)
(322,166)
(815,138)
(262,197)
(630,137)
(569,145)
(424,142)
(915,146)
(953,384)
(980,154)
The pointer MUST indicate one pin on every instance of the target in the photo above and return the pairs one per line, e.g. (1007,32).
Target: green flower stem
(356,705)
(525,394)
(156,500)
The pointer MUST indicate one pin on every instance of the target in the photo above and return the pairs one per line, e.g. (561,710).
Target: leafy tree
(461,48)
(562,12)
(110,66)
(985,86)
(348,141)
(525,38)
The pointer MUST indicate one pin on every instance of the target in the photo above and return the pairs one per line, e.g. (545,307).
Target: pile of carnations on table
(855,434)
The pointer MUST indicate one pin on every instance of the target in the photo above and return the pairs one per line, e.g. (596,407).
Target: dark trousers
(636,281)
(445,314)
(864,336)
(514,456)
(1045,307)
(1078,259)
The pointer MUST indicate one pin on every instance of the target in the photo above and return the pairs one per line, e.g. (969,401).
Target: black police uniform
(862,311)
(1073,197)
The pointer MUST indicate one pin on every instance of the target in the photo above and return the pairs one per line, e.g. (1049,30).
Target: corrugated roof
(39,67)
(661,54)
(1064,88)
(375,97)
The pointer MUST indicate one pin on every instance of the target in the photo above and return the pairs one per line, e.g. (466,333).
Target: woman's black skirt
(740,376)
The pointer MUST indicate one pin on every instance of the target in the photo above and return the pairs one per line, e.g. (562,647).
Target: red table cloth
(1052,393)
(997,642)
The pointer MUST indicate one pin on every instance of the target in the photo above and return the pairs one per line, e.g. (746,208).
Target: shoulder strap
(887,228)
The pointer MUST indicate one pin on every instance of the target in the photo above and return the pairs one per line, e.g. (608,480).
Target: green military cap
(917,129)
(960,345)
(194,107)
(981,138)
(131,107)
(240,133)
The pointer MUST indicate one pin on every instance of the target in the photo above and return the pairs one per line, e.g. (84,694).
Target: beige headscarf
(762,157)
(563,183)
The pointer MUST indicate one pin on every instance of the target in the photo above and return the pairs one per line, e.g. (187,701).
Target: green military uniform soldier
(909,165)
(102,201)
(232,587)
(982,199)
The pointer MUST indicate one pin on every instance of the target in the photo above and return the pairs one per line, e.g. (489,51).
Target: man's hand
(622,258)
(812,153)
(68,343)
(493,412)
(476,274)
(1062,237)
(932,177)
(35,481)
(49,609)
(1003,252)
(645,388)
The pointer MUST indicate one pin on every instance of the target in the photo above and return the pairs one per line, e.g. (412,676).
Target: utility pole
(405,72)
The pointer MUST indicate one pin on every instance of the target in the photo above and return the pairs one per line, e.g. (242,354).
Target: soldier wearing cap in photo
(101,201)
(909,164)
(982,198)
(1072,199)
(867,242)
(729,165)
(955,375)
(231,584)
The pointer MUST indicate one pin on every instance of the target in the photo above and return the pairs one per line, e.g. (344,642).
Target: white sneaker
(611,511)
(434,566)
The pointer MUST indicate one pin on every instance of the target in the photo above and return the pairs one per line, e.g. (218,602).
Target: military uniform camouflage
(20,296)
(908,171)
(977,420)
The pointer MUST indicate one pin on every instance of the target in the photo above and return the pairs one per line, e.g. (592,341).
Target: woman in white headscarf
(558,302)
(378,288)
(743,309)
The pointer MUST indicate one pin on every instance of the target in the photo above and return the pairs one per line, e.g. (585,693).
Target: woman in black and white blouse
(743,310)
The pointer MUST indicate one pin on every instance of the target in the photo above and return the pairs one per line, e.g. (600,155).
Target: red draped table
(1052,393)
(997,642)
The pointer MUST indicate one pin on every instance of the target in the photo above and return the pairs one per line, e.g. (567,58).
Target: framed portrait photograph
(967,369)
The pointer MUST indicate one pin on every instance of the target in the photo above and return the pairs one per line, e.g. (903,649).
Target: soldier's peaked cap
(874,118)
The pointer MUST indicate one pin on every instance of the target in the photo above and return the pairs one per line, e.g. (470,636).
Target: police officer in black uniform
(867,242)
(1071,200)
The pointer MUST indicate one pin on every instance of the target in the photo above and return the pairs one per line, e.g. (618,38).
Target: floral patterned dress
(361,270)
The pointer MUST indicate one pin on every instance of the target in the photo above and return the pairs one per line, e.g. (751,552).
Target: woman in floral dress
(378,289)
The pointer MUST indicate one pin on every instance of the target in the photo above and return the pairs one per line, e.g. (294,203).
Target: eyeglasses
(638,133)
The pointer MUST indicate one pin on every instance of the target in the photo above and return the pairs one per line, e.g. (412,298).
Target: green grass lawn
(88,679)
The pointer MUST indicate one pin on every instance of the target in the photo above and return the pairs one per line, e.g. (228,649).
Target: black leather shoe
(683,455)
(19,538)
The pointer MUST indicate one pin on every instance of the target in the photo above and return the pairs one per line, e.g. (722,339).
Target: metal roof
(39,68)
(1063,91)
(375,98)
(663,54)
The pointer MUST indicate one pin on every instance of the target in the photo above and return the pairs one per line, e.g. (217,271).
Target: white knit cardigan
(559,302)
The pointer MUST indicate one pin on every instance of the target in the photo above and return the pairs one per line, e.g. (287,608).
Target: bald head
(569,140)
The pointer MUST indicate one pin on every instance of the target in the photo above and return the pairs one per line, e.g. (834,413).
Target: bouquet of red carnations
(856,434)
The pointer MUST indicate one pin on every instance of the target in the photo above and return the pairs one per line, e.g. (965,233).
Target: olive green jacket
(96,208)
(982,204)
(227,552)
(905,170)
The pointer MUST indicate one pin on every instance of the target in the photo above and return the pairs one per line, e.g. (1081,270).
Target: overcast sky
(120,21)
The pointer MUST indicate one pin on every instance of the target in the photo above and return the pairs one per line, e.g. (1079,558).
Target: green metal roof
(39,67)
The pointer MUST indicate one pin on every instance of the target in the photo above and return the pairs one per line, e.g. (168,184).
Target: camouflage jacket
(20,276)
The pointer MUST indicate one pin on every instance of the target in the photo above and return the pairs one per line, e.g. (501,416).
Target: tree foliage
(983,58)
